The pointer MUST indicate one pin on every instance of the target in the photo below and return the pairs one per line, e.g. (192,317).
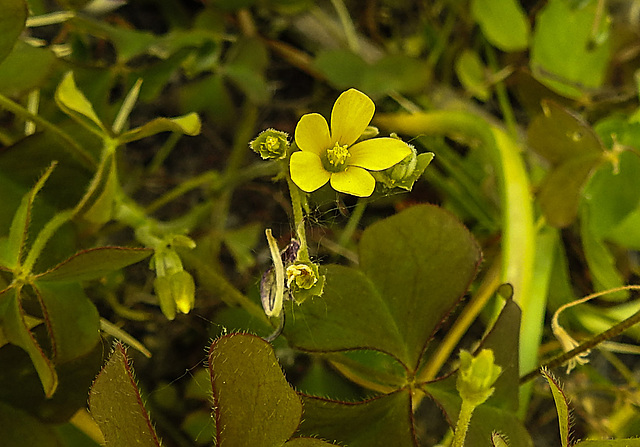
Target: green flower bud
(183,290)
(476,376)
(300,276)
(162,287)
(271,144)
(180,240)
(166,262)
(405,168)
(175,292)
(405,173)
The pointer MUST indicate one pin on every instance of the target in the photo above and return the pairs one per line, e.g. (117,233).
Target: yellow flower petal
(351,114)
(312,134)
(355,181)
(307,171)
(378,153)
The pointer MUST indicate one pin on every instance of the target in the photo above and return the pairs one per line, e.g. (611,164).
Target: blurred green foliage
(124,133)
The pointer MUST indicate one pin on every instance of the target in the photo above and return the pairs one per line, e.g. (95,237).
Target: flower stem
(353,222)
(298,220)
(464,418)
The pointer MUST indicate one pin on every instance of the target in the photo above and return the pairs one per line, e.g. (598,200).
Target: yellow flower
(332,156)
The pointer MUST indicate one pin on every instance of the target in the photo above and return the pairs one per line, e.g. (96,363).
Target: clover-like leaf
(116,405)
(414,268)
(379,422)
(252,402)
(574,150)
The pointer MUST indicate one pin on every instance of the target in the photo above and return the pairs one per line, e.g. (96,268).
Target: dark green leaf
(369,369)
(20,385)
(574,150)
(504,340)
(253,403)
(20,429)
(341,318)
(559,134)
(12,20)
(94,263)
(503,23)
(422,260)
(25,68)
(415,266)
(72,319)
(562,189)
(16,330)
(380,422)
(116,405)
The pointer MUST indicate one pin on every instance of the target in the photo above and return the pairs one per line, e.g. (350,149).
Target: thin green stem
(502,95)
(347,25)
(76,150)
(464,418)
(353,222)
(298,220)
(163,152)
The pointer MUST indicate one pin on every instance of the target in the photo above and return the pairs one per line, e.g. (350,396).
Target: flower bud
(271,144)
(300,276)
(476,376)
(175,292)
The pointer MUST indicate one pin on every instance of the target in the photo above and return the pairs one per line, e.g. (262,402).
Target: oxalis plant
(387,327)
(360,319)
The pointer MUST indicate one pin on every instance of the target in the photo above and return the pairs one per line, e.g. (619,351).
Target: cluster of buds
(173,285)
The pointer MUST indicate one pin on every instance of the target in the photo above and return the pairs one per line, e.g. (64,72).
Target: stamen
(337,157)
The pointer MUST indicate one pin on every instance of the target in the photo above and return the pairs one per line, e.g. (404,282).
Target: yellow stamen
(337,157)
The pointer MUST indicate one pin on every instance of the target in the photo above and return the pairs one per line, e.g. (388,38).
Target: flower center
(335,159)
